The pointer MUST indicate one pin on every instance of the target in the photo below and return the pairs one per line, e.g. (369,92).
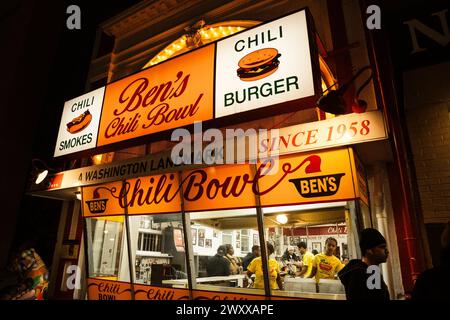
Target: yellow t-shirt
(256,267)
(308,260)
(327,266)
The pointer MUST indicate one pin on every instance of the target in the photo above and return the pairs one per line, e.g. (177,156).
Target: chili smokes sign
(260,67)
(79,123)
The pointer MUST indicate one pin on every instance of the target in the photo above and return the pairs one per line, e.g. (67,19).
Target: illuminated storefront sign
(339,131)
(268,65)
(143,292)
(343,130)
(292,179)
(79,123)
(99,289)
(169,95)
(103,199)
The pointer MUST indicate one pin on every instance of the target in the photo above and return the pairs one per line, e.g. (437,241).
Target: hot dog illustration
(80,122)
(258,64)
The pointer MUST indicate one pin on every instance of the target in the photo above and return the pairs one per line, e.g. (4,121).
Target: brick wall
(427,104)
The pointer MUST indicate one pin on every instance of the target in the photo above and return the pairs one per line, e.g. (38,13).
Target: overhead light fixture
(97,159)
(40,170)
(41,176)
(282,218)
(334,101)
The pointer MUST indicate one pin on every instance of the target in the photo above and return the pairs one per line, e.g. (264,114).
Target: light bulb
(41,176)
(282,218)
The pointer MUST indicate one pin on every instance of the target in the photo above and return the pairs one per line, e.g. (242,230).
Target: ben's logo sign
(97,205)
(317,186)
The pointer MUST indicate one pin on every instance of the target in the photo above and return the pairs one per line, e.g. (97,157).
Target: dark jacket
(218,266)
(354,278)
(247,259)
(434,284)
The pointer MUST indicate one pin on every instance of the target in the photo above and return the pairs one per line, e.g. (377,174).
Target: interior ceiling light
(282,218)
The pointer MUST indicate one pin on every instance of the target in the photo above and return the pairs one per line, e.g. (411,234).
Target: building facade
(145,247)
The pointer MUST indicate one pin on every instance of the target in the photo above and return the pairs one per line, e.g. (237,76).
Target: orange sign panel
(221,187)
(163,97)
(102,200)
(287,298)
(307,178)
(212,295)
(292,179)
(154,194)
(108,290)
(143,292)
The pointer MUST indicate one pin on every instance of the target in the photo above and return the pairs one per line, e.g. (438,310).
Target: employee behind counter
(321,266)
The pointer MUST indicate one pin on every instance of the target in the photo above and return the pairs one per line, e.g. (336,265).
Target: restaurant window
(157,250)
(222,248)
(299,235)
(107,254)
(149,242)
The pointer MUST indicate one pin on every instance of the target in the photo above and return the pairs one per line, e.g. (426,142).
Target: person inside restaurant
(256,252)
(218,265)
(255,267)
(291,262)
(235,262)
(307,260)
(326,265)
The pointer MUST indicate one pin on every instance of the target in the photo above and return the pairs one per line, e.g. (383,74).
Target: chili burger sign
(263,66)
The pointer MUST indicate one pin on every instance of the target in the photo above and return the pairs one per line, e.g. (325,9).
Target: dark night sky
(44,64)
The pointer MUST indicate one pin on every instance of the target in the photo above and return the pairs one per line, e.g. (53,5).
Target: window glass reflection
(158,251)
(311,244)
(224,244)
(107,248)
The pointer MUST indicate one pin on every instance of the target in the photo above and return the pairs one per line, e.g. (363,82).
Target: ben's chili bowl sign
(79,123)
(166,96)
(299,179)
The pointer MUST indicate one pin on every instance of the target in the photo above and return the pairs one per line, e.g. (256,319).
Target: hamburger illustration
(79,123)
(258,64)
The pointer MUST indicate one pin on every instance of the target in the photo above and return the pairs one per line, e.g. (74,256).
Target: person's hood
(354,267)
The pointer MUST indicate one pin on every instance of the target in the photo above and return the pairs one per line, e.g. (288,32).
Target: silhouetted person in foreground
(354,276)
(434,283)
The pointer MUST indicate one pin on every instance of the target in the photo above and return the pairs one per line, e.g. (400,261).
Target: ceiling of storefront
(247,220)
